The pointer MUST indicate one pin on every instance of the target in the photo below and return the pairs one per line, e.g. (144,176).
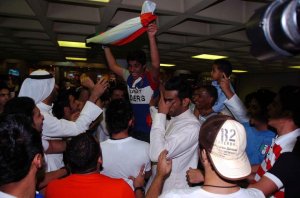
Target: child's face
(216,74)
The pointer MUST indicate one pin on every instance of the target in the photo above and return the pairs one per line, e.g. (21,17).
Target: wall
(247,83)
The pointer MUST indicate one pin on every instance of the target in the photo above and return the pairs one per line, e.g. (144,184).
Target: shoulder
(182,193)
(250,192)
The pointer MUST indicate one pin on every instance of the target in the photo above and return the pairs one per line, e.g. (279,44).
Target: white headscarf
(38,85)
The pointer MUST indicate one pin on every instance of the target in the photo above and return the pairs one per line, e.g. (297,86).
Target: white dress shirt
(179,137)
(57,128)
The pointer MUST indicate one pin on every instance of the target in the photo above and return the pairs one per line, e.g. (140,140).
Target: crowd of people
(143,137)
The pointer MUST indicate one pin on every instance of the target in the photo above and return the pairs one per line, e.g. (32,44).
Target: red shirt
(88,185)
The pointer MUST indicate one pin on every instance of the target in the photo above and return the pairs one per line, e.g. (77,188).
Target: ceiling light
(167,65)
(294,67)
(76,58)
(209,56)
(239,71)
(103,1)
(72,44)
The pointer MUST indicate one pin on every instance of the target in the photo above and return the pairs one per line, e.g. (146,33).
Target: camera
(274,30)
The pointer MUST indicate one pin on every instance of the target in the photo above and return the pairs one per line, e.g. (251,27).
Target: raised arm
(112,64)
(155,60)
(233,102)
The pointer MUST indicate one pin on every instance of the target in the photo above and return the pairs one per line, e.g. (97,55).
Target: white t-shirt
(5,195)
(197,192)
(125,157)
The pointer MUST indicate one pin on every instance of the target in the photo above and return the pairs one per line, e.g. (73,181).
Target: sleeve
(177,143)
(284,170)
(237,108)
(53,127)
(219,105)
(125,74)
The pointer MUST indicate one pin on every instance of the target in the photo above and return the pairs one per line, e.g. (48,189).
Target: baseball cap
(224,140)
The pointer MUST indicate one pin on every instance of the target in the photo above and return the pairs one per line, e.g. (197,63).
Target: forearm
(49,176)
(112,64)
(155,60)
(156,187)
(56,146)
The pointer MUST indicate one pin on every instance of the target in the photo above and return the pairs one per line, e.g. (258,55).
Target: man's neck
(21,189)
(214,184)
(205,112)
(121,135)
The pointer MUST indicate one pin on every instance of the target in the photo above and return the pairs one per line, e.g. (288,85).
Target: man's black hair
(224,66)
(137,55)
(289,97)
(19,143)
(20,105)
(82,154)
(117,115)
(179,84)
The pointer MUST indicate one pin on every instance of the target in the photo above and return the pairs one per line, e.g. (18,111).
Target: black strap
(47,76)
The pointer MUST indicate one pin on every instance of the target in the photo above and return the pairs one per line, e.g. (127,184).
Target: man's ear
(186,102)
(130,122)
(38,161)
(100,160)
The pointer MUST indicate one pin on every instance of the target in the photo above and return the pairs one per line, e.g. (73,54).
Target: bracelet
(139,188)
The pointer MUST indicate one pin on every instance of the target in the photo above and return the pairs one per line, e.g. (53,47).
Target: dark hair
(289,97)
(61,102)
(224,65)
(212,91)
(20,105)
(137,55)
(117,115)
(119,86)
(179,84)
(3,85)
(19,143)
(82,153)
(263,97)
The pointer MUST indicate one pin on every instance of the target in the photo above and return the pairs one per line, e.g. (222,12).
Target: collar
(44,107)
(182,115)
(288,137)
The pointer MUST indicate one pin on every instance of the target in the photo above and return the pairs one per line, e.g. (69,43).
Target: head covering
(224,140)
(38,85)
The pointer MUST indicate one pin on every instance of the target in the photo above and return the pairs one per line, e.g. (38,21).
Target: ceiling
(30,29)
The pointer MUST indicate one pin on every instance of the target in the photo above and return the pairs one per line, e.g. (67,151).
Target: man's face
(135,68)
(177,106)
(216,74)
(202,99)
(38,119)
(4,96)
(117,94)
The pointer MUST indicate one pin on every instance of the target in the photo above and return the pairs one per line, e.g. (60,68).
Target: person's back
(83,157)
(123,156)
(196,192)
(88,185)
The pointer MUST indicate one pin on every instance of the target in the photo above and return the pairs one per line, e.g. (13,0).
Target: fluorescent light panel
(167,65)
(72,44)
(239,71)
(103,1)
(209,56)
(294,67)
(76,58)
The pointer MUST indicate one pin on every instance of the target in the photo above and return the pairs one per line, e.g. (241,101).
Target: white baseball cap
(224,140)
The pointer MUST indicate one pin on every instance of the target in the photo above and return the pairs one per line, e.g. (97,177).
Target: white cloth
(124,29)
(5,195)
(197,192)
(56,128)
(102,132)
(37,89)
(125,157)
(237,108)
(180,138)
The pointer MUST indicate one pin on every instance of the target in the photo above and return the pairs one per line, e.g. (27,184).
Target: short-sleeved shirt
(89,185)
(140,93)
